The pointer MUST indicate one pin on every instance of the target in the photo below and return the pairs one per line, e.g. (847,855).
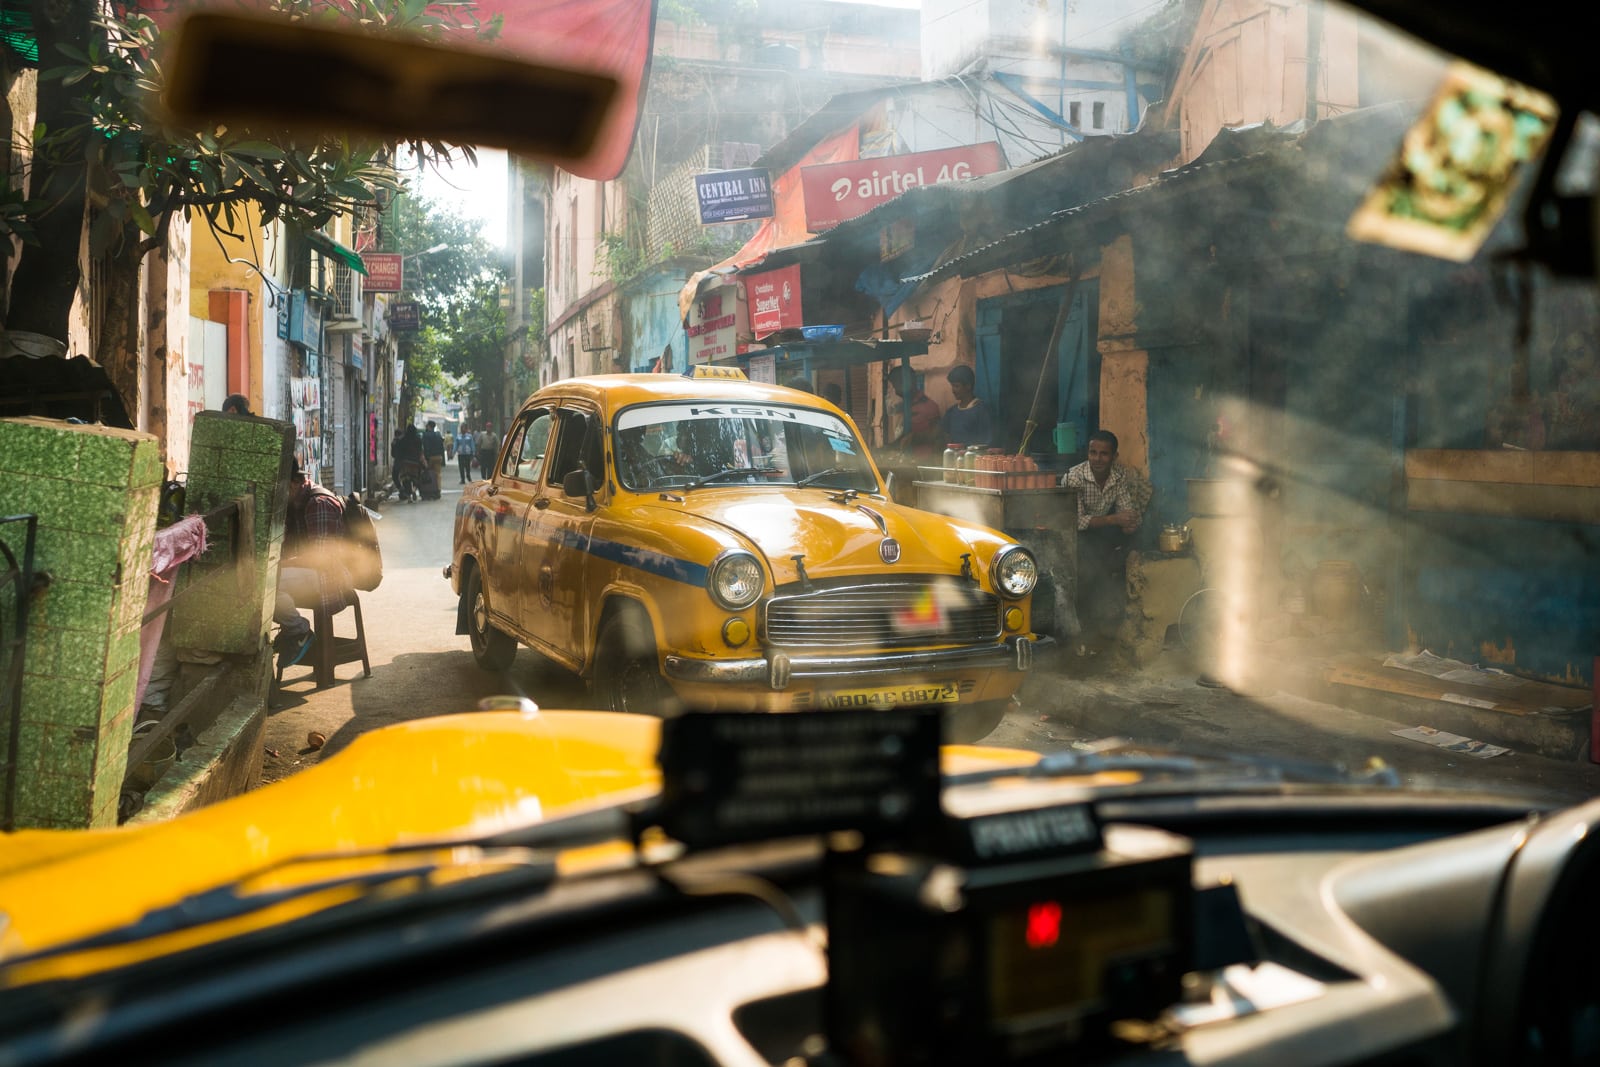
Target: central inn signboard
(733,195)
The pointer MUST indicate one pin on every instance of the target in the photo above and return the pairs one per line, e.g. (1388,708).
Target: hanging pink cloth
(175,545)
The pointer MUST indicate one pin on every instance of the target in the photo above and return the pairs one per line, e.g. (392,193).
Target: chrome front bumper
(777,670)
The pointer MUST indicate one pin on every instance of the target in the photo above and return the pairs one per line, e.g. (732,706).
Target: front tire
(492,648)
(627,673)
(967,724)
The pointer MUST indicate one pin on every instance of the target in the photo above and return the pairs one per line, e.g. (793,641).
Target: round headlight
(1014,571)
(735,580)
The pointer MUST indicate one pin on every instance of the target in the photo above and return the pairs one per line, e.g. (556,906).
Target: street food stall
(1013,495)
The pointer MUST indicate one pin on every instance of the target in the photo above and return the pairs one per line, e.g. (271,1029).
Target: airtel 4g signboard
(836,192)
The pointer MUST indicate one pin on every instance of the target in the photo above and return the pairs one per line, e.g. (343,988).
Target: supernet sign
(837,192)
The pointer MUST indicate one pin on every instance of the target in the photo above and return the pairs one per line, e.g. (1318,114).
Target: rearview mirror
(325,79)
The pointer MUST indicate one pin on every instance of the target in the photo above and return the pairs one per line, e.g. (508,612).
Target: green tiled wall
(231,456)
(95,491)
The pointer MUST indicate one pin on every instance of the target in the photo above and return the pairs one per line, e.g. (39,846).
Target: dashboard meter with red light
(951,962)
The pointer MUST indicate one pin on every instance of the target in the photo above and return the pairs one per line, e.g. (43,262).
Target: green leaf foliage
(145,169)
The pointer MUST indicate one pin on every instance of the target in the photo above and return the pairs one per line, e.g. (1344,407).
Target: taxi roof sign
(707,371)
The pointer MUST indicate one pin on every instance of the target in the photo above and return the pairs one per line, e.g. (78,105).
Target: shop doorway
(1020,380)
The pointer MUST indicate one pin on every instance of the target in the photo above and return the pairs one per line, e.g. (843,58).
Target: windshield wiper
(717,476)
(1190,767)
(228,902)
(811,478)
(525,850)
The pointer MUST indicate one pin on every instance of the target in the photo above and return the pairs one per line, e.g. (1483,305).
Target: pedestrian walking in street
(407,455)
(466,451)
(488,447)
(433,454)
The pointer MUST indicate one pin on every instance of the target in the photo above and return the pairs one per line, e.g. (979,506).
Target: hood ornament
(888,548)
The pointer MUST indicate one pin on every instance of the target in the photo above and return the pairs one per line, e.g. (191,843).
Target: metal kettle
(1173,538)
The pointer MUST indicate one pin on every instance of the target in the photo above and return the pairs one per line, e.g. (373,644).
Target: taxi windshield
(681,445)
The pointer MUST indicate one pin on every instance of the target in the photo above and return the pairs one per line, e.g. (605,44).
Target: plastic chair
(329,650)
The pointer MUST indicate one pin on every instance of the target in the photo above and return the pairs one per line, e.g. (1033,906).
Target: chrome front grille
(931,611)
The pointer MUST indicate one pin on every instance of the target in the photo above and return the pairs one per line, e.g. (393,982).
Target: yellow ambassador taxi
(710,542)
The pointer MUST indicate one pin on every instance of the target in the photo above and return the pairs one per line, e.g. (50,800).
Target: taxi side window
(577,444)
(525,457)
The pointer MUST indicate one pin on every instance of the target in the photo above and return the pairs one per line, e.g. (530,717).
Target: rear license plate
(895,695)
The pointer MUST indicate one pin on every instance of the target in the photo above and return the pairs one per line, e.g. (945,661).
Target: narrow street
(421,667)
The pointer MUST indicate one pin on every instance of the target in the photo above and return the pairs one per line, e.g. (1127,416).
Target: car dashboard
(1380,932)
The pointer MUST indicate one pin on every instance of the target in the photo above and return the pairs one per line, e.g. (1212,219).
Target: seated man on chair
(312,570)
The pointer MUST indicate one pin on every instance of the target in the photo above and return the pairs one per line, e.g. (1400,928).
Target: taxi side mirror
(578,483)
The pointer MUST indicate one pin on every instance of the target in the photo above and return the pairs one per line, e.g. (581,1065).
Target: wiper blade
(230,902)
(811,479)
(1191,767)
(716,476)
(529,850)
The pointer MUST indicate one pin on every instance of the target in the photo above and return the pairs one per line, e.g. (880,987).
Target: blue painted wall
(650,320)
(1521,586)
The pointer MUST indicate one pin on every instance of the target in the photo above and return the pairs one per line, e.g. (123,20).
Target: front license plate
(895,695)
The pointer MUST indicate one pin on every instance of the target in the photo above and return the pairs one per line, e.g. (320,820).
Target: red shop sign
(837,192)
(774,298)
(385,272)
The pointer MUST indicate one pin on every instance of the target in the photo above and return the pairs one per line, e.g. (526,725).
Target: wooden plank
(1470,465)
(1554,503)
(1406,683)
(1504,466)
(1566,468)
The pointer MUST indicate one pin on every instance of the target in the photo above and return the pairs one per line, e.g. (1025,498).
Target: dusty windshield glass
(1268,332)
(677,445)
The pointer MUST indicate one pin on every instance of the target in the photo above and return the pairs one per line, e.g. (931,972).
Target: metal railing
(18,580)
(239,564)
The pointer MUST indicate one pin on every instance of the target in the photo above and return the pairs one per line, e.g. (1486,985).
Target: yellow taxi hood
(843,537)
(455,775)
(451,776)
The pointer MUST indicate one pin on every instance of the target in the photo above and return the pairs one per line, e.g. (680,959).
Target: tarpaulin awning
(329,247)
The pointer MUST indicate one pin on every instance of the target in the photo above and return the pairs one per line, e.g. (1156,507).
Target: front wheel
(626,673)
(491,647)
(966,724)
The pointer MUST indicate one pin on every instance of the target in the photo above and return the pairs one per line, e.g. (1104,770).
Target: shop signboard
(837,192)
(774,298)
(405,315)
(734,195)
(385,272)
(713,325)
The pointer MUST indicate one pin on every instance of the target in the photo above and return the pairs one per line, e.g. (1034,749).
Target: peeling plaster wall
(1124,367)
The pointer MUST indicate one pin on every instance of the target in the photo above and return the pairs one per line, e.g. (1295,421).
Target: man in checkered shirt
(313,568)
(1111,500)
